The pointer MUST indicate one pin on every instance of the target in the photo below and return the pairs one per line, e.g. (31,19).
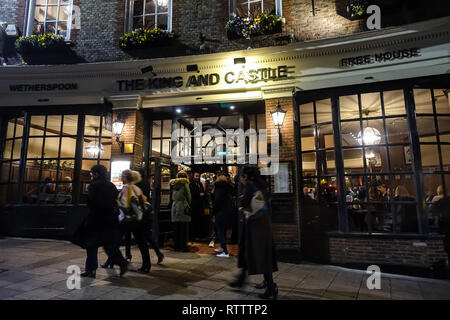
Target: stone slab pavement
(35,269)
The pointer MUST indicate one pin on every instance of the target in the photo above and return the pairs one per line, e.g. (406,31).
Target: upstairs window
(251,7)
(50,16)
(149,14)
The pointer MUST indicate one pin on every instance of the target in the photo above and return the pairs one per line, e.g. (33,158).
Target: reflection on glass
(422,101)
(394,103)
(306,114)
(349,107)
(442,101)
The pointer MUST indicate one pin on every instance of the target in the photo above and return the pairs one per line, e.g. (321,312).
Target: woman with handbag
(181,207)
(256,247)
(130,201)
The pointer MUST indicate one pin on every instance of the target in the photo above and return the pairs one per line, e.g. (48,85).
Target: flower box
(249,27)
(141,39)
(353,9)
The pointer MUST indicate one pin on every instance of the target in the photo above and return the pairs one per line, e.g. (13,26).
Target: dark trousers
(181,234)
(140,238)
(153,244)
(221,230)
(113,252)
(268,277)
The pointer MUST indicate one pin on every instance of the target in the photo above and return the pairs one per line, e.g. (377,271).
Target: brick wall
(8,11)
(133,132)
(285,235)
(386,251)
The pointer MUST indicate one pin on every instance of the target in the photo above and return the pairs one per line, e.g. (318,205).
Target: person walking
(180,212)
(145,187)
(197,194)
(256,247)
(222,208)
(102,225)
(132,193)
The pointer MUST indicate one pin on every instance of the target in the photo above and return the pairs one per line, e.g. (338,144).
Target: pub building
(364,150)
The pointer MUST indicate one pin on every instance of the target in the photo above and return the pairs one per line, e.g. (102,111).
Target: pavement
(33,269)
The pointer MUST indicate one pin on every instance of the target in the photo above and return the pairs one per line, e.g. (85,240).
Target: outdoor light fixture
(239,60)
(278,117)
(371,136)
(93,149)
(178,110)
(118,126)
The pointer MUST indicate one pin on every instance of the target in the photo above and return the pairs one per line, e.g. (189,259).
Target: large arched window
(149,14)
(49,16)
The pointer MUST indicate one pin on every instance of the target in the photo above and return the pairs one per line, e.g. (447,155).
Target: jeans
(222,235)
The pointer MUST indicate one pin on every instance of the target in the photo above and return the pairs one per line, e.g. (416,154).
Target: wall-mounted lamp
(192,68)
(117,130)
(278,118)
(239,60)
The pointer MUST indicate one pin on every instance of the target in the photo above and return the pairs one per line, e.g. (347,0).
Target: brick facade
(407,252)
(8,11)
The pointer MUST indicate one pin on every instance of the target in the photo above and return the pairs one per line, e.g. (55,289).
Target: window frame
(129,12)
(232,7)
(30,17)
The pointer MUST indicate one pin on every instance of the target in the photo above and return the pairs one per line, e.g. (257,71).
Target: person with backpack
(256,246)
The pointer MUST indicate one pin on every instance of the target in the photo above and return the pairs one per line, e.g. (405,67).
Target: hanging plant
(248,27)
(144,38)
(358,8)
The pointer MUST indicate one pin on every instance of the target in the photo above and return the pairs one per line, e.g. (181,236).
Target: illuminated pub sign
(251,76)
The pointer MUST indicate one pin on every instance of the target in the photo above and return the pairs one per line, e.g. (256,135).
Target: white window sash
(232,5)
(144,14)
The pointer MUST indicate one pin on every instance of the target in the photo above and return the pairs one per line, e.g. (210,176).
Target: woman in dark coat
(223,208)
(181,202)
(256,247)
(102,224)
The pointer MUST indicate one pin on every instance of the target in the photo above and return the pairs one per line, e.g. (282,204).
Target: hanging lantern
(93,150)
(371,136)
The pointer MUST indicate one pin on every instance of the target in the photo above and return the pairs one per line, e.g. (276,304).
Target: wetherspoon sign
(251,76)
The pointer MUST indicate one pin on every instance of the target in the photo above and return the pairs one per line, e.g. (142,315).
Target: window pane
(442,101)
(32,170)
(138,22)
(17,148)
(66,169)
(150,6)
(52,12)
(35,147)
(106,148)
(166,147)
(331,163)
(394,102)
(63,13)
(269,6)
(14,171)
(163,21)
(7,150)
(350,131)
(62,29)
(156,148)
(86,168)
(51,147)
(422,100)
(156,129)
(306,114)
(308,141)
(107,165)
(4,177)
(426,129)
(68,146)
(138,7)
(94,153)
(53,125)
(310,188)
(444,128)
(403,186)
(261,119)
(371,105)
(149,22)
(309,163)
(70,125)
(433,186)
(349,107)
(92,125)
(401,158)
(397,129)
(325,136)
(445,150)
(107,125)
(10,129)
(167,128)
(37,125)
(376,159)
(19,127)
(50,27)
(430,157)
(39,12)
(323,110)
(373,132)
(353,159)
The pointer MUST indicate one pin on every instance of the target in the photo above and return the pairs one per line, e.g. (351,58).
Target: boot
(124,268)
(239,281)
(160,258)
(107,264)
(88,274)
(270,293)
(261,285)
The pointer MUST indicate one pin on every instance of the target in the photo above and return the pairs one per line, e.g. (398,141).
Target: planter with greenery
(144,39)
(357,9)
(249,27)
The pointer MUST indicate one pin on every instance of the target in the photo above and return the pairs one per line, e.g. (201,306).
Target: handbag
(135,212)
(257,206)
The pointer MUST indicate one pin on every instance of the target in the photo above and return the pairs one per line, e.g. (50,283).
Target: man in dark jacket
(102,224)
(223,207)
(197,194)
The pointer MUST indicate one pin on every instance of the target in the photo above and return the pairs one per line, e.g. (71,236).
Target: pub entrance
(168,155)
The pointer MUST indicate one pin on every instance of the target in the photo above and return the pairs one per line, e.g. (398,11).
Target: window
(246,8)
(50,16)
(149,14)
(161,135)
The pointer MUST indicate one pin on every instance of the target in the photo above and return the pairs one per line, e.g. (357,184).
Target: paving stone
(15,276)
(27,285)
(40,294)
(5,293)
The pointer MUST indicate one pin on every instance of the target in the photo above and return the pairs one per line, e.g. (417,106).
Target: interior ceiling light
(370,136)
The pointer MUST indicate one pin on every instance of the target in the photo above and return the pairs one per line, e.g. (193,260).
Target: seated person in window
(64,191)
(47,191)
(405,212)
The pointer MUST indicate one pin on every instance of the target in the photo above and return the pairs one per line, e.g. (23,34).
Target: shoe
(107,265)
(270,293)
(123,268)
(220,250)
(144,270)
(222,255)
(88,274)
(261,285)
(160,258)
(211,244)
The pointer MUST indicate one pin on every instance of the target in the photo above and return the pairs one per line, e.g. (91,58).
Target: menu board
(282,181)
(116,172)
